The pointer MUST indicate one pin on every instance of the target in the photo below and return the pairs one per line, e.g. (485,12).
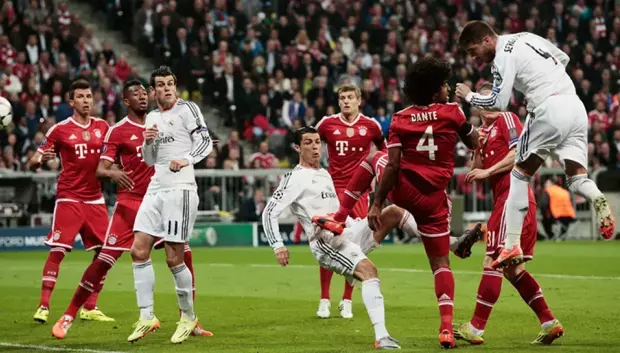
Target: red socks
(444,290)
(532,294)
(359,184)
(92,281)
(488,293)
(325,276)
(50,274)
(348,291)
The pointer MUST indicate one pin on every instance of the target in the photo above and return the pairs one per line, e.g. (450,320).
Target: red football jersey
(348,143)
(266,160)
(79,147)
(501,137)
(123,145)
(428,137)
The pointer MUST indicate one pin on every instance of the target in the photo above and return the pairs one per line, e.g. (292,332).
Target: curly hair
(425,79)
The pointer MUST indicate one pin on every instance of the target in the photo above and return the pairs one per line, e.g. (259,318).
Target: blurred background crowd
(268,67)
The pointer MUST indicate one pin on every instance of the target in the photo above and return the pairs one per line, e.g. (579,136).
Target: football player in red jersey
(123,146)
(493,161)
(80,207)
(420,165)
(349,136)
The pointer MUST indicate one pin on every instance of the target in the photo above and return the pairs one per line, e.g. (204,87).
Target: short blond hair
(349,87)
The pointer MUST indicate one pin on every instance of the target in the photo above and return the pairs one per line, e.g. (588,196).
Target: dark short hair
(78,84)
(425,79)
(473,32)
(162,71)
(129,84)
(299,134)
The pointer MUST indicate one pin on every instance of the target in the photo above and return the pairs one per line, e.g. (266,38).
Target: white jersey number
(545,54)
(430,147)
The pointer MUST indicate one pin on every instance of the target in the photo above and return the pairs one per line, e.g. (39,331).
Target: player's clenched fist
(176,165)
(282,255)
(462,90)
(150,134)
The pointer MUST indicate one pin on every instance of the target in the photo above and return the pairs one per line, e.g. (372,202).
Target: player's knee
(513,271)
(365,270)
(139,254)
(487,261)
(437,262)
(393,215)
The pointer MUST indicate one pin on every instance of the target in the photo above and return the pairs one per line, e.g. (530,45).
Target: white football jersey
(183,134)
(530,64)
(309,192)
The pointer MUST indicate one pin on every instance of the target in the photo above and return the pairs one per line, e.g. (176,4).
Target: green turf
(254,308)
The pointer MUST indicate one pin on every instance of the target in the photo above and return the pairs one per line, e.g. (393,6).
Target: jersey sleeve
(393,138)
(201,141)
(287,192)
(511,128)
(149,151)
(50,140)
(464,127)
(504,73)
(322,126)
(110,146)
(378,138)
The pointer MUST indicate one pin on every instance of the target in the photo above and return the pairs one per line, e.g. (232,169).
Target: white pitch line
(53,349)
(415,270)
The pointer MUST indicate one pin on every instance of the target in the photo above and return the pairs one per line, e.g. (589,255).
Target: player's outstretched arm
(504,74)
(105,170)
(390,176)
(287,192)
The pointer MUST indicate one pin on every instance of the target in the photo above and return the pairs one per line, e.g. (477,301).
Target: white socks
(144,282)
(581,185)
(408,225)
(373,300)
(516,207)
(183,286)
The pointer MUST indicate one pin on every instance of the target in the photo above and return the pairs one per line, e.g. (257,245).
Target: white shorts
(560,126)
(358,241)
(168,214)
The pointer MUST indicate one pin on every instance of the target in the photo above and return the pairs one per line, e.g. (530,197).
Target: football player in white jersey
(309,191)
(176,137)
(557,121)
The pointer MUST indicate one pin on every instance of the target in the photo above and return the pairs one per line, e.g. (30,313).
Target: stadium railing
(223,191)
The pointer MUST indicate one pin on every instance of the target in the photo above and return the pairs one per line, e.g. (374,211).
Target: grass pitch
(253,305)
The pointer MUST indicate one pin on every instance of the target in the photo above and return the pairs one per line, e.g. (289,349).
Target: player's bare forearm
(390,176)
(34,163)
(469,136)
(505,164)
(103,169)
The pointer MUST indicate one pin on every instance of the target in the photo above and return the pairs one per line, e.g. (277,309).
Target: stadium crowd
(270,67)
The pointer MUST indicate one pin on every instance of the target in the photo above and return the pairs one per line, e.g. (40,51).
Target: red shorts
(360,210)
(496,230)
(73,218)
(431,211)
(120,232)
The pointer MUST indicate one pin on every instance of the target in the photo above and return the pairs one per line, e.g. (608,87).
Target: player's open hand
(282,256)
(177,165)
(373,217)
(476,175)
(462,90)
(122,179)
(48,155)
(150,134)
